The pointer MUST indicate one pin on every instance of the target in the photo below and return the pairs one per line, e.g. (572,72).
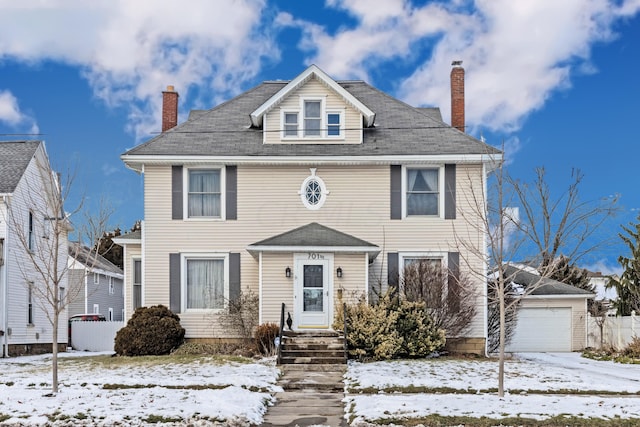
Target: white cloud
(516,54)
(11,114)
(131,50)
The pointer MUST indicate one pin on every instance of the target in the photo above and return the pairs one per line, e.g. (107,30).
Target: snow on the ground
(530,371)
(25,382)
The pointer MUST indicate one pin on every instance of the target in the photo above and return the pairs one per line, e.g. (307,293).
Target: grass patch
(181,387)
(157,419)
(107,362)
(4,417)
(411,389)
(557,421)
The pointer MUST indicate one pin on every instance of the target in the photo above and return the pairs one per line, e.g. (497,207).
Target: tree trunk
(54,358)
(502,336)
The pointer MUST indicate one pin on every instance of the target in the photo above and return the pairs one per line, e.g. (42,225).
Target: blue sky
(556,82)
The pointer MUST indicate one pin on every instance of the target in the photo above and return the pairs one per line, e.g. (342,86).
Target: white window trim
(110,315)
(341,135)
(96,308)
(183,279)
(96,278)
(133,278)
(112,287)
(185,193)
(321,100)
(442,256)
(283,114)
(440,169)
(323,191)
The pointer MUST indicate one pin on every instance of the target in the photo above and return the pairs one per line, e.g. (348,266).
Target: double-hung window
(290,124)
(205,282)
(312,118)
(205,196)
(137,283)
(423,191)
(30,234)
(423,278)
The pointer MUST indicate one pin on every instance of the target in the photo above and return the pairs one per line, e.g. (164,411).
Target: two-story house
(306,192)
(33,246)
(96,284)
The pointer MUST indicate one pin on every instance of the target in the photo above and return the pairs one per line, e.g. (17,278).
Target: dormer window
(291,124)
(312,118)
(312,121)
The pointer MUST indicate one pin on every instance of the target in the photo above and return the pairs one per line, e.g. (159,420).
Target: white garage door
(542,329)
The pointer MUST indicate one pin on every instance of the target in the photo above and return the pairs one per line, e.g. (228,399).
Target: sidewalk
(312,396)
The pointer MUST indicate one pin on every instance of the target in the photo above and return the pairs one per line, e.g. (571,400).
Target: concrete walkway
(312,396)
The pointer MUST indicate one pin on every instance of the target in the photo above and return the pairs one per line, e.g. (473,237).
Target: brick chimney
(457,95)
(169,108)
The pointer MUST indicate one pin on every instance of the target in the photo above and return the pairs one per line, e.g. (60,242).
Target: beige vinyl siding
(268,204)
(578,308)
(276,288)
(313,89)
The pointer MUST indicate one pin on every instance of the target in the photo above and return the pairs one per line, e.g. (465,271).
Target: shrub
(150,331)
(633,348)
(391,329)
(265,338)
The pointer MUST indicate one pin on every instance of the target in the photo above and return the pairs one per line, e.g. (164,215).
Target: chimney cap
(457,63)
(170,88)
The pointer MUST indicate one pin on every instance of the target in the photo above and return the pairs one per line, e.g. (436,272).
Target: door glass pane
(313,288)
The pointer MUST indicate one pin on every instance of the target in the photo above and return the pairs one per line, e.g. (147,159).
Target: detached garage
(553,318)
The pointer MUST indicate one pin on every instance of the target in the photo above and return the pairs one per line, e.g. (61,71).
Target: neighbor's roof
(131,237)
(227,131)
(14,159)
(543,285)
(315,236)
(91,260)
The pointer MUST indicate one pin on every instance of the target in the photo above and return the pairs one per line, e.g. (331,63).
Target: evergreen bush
(390,329)
(151,331)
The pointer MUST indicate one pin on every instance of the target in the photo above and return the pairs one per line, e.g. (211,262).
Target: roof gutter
(136,162)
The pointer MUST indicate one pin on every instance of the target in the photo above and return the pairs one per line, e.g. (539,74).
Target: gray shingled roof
(400,129)
(315,234)
(544,286)
(83,255)
(14,159)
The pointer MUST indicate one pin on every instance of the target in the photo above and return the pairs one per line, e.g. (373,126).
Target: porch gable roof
(315,237)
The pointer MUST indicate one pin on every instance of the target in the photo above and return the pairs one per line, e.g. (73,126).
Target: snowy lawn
(95,389)
(541,387)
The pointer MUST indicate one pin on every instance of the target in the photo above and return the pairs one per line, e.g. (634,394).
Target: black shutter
(174,283)
(450,191)
(454,280)
(176,192)
(231,196)
(234,276)
(392,271)
(396,192)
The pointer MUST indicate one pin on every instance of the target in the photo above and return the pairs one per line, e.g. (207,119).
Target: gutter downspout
(3,281)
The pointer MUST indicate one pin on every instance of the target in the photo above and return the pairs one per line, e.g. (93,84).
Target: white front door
(312,285)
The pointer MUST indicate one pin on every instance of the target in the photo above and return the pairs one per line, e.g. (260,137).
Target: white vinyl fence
(617,331)
(94,336)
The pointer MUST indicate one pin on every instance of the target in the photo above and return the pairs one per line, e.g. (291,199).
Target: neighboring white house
(305,192)
(99,284)
(29,210)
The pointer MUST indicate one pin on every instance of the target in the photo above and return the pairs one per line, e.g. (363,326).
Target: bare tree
(450,299)
(42,236)
(549,226)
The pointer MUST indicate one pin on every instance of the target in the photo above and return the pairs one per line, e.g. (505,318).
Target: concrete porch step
(312,360)
(295,345)
(313,353)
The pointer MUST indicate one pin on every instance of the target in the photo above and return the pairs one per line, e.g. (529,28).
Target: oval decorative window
(313,192)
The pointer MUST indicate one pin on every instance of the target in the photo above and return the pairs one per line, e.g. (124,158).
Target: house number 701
(315,255)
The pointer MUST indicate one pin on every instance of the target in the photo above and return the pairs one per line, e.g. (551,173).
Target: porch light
(339,272)
(287,272)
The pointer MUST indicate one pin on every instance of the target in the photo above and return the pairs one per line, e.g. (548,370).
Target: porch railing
(279,358)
